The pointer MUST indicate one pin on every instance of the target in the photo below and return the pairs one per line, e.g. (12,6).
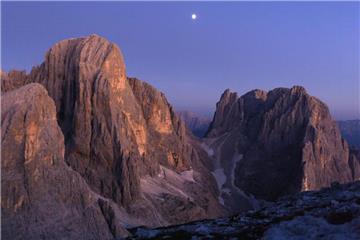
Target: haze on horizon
(236,45)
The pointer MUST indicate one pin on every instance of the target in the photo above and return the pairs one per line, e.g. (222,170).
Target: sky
(236,45)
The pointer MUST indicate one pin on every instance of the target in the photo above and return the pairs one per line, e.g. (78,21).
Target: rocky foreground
(331,213)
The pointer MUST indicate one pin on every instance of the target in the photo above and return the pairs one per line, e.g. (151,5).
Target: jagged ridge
(121,135)
(287,140)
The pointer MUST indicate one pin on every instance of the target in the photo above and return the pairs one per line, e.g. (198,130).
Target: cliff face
(12,80)
(42,196)
(166,134)
(121,136)
(285,141)
(87,151)
(86,79)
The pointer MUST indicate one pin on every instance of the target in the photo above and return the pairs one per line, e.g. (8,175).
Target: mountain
(83,145)
(88,152)
(197,124)
(350,130)
(332,213)
(42,196)
(270,144)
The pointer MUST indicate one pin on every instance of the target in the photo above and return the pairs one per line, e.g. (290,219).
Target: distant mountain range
(196,123)
(350,130)
(89,153)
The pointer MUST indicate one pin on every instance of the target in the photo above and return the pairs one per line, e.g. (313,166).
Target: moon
(193,16)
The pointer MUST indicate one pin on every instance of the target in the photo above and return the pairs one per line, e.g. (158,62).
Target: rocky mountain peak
(282,129)
(228,96)
(120,138)
(223,106)
(298,89)
(256,94)
(12,80)
(87,151)
(92,55)
(92,50)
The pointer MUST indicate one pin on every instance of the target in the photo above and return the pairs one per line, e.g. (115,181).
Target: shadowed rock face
(354,163)
(41,196)
(286,138)
(121,136)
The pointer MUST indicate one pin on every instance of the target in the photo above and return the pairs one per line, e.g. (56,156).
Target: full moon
(193,16)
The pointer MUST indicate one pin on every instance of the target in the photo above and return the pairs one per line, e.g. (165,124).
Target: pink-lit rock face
(115,131)
(88,151)
(42,196)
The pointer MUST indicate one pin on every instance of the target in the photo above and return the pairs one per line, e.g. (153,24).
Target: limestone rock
(287,140)
(87,151)
(331,213)
(120,134)
(354,163)
(166,134)
(41,196)
(86,78)
(12,80)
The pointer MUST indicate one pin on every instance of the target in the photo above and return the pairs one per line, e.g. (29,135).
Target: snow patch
(147,233)
(188,175)
(168,181)
(151,185)
(208,150)
(227,190)
(220,177)
(220,180)
(236,158)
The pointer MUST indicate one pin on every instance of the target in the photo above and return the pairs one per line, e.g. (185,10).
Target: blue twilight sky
(236,45)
